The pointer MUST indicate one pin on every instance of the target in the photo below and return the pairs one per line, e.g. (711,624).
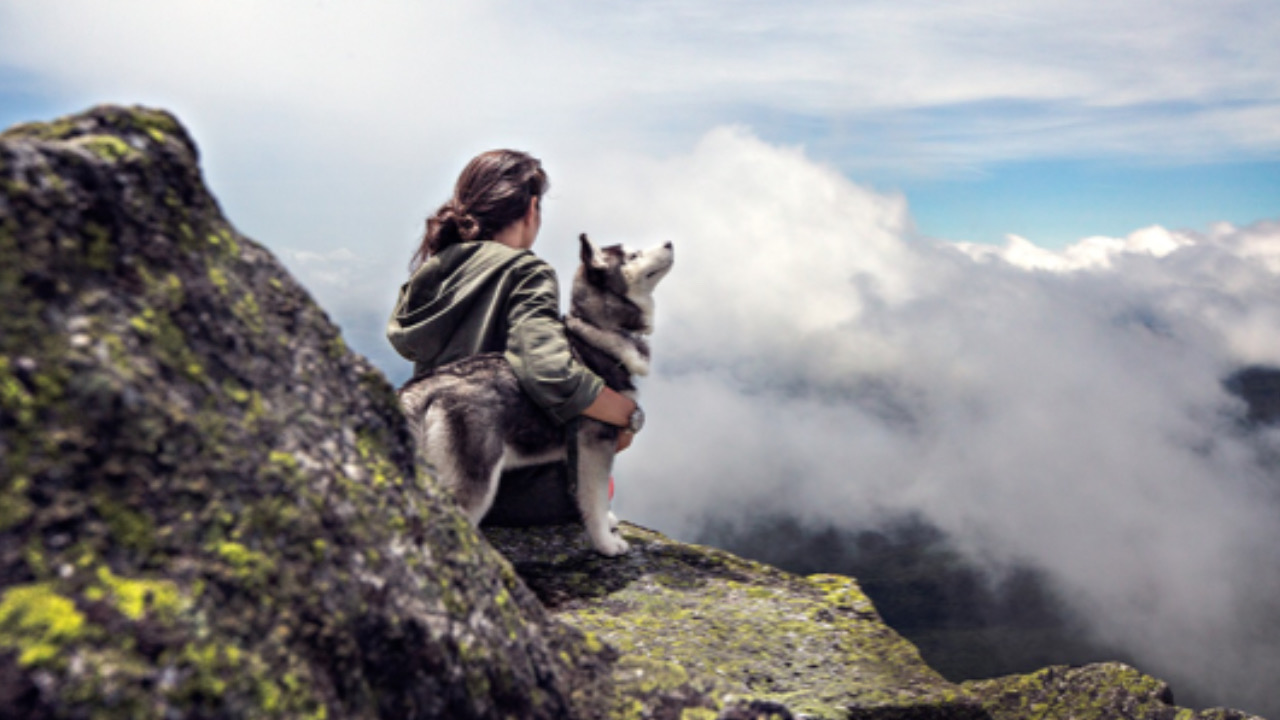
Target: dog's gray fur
(471,420)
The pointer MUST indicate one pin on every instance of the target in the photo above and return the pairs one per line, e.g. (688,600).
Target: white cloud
(404,71)
(787,262)
(1089,254)
(1058,408)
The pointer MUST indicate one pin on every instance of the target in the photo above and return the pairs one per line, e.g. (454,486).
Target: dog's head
(614,286)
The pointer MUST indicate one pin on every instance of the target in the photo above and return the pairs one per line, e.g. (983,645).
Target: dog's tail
(416,397)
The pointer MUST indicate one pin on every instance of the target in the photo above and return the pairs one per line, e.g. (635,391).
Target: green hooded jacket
(476,297)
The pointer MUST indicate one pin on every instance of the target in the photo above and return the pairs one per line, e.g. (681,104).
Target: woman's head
(494,191)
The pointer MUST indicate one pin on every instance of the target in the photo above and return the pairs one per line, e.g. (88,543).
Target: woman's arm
(538,350)
(612,407)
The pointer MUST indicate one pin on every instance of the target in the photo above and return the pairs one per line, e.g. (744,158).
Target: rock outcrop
(209,507)
(691,618)
(1101,690)
(208,504)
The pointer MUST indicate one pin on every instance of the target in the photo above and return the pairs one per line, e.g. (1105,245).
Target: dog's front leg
(595,461)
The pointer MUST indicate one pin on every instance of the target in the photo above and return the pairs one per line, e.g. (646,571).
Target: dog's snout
(668,245)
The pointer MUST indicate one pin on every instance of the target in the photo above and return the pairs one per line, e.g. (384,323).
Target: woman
(476,287)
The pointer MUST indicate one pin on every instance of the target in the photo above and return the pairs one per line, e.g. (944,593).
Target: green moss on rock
(135,598)
(107,147)
(37,622)
(1093,692)
(696,622)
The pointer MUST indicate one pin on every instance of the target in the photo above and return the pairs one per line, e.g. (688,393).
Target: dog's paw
(612,546)
(613,523)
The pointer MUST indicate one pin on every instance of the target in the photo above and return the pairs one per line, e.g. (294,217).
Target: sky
(986,261)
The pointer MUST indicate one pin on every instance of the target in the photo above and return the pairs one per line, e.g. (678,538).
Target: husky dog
(471,420)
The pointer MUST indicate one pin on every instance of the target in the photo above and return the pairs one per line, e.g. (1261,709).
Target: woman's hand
(624,440)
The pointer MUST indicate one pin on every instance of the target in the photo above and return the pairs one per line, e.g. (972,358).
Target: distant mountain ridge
(1259,387)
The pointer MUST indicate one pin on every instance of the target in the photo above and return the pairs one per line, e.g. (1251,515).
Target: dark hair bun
(451,225)
(468,226)
(492,192)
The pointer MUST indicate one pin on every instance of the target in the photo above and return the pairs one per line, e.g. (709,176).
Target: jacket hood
(442,294)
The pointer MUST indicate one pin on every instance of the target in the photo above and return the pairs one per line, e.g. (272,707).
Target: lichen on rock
(690,618)
(1092,692)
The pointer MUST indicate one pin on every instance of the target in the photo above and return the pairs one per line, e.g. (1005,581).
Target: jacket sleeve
(538,349)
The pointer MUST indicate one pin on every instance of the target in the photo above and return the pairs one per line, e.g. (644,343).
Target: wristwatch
(636,421)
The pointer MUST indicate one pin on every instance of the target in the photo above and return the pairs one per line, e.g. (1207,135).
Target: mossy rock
(691,619)
(1101,691)
(209,507)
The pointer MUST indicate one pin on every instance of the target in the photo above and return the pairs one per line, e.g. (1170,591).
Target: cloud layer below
(1063,409)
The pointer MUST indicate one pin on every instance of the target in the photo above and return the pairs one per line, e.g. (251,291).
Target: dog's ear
(592,262)
(588,252)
